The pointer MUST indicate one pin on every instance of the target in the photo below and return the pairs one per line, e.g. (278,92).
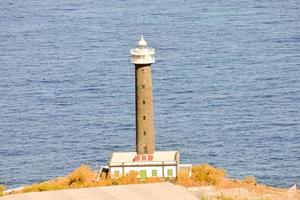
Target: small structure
(146,161)
(163,164)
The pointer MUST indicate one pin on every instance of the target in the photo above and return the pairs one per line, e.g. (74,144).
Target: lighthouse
(147,161)
(142,58)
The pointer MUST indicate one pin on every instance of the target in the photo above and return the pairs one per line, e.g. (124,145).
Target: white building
(164,164)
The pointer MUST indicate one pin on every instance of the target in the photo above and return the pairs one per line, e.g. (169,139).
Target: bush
(81,176)
(2,189)
(184,180)
(107,181)
(250,180)
(208,174)
(129,178)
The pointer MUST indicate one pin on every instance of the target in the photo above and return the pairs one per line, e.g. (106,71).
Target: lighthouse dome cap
(142,54)
(142,41)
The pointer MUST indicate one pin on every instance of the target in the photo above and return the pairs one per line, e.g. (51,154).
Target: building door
(143,174)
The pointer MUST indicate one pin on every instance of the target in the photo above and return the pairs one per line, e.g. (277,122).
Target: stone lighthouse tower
(142,58)
(146,161)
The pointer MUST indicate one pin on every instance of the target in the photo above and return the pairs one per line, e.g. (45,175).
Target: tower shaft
(145,142)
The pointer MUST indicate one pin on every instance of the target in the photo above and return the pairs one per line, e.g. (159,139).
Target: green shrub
(207,173)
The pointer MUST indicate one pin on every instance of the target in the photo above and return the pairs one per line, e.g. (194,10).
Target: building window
(116,173)
(144,102)
(143,86)
(170,172)
(144,117)
(144,132)
(154,173)
(143,174)
(145,150)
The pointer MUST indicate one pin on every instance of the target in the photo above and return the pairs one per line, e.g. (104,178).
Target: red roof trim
(136,158)
(145,157)
(150,157)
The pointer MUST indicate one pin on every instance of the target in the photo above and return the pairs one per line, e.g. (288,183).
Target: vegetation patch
(184,180)
(250,180)
(2,189)
(84,177)
(207,174)
(223,197)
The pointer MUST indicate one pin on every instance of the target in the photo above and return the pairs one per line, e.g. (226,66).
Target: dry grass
(207,174)
(80,177)
(223,197)
(130,178)
(2,188)
(83,177)
(250,180)
(204,174)
(184,180)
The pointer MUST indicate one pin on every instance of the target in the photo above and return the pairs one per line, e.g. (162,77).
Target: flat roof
(132,157)
(157,191)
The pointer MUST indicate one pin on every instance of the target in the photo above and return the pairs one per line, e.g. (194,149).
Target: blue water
(226,84)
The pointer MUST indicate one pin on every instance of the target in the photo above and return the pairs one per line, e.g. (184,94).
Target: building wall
(148,169)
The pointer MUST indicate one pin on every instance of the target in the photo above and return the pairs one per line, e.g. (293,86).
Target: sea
(226,85)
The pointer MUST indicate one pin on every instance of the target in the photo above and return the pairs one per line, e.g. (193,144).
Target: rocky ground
(236,190)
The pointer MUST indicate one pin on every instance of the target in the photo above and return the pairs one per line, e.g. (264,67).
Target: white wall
(148,169)
(113,169)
